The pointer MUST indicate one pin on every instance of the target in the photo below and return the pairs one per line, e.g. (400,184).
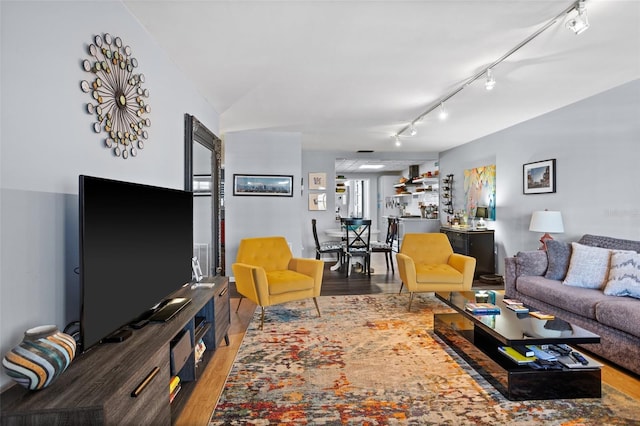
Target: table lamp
(482,213)
(546,221)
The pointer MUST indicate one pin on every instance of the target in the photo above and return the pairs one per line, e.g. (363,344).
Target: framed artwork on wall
(539,177)
(318,201)
(263,185)
(318,181)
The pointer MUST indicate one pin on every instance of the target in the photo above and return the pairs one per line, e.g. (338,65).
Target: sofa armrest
(510,276)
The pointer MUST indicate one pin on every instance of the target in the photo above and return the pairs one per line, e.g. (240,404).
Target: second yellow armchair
(267,273)
(426,262)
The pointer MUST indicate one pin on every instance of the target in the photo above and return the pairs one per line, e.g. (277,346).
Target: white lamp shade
(546,221)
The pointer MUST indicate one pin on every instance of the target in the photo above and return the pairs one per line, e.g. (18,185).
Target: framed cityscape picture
(265,185)
(539,177)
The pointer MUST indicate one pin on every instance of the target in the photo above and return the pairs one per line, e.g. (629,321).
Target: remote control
(561,349)
(578,357)
(139,324)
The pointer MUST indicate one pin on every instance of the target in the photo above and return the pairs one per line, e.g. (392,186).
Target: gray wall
(47,141)
(595,144)
(269,153)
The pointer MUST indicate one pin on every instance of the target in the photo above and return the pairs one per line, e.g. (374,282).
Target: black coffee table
(477,337)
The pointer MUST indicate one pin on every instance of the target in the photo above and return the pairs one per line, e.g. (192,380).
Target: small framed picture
(318,201)
(539,177)
(318,181)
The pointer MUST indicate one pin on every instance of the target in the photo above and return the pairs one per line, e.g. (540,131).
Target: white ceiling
(350,74)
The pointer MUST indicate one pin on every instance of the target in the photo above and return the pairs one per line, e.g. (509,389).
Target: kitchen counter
(416,225)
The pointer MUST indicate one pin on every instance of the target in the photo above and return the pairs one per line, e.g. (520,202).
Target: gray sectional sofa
(536,278)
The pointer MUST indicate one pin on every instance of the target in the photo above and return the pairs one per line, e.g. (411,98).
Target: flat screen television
(136,245)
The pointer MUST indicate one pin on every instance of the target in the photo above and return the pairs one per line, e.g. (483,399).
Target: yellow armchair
(426,262)
(267,273)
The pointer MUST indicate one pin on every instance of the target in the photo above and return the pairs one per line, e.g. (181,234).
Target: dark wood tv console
(128,382)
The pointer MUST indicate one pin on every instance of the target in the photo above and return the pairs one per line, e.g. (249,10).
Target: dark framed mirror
(204,176)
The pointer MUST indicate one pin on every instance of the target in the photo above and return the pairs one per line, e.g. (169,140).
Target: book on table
(523,350)
(520,309)
(515,356)
(539,353)
(482,308)
(541,315)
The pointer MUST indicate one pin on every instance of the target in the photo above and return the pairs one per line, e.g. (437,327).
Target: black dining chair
(386,247)
(357,243)
(326,247)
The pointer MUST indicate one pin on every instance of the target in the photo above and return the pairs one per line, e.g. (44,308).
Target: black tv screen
(136,244)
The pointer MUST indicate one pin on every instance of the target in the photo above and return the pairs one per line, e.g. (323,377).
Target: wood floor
(205,395)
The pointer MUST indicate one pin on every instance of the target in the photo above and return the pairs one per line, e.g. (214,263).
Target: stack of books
(482,308)
(516,305)
(174,388)
(515,355)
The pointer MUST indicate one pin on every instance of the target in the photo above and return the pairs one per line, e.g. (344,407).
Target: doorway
(355,200)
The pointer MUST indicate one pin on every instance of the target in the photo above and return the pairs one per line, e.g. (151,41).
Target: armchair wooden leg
(401,285)
(317,308)
(410,300)
(239,302)
(262,318)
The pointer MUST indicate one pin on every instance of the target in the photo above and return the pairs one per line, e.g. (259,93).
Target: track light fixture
(397,138)
(577,24)
(412,130)
(491,82)
(443,114)
(580,23)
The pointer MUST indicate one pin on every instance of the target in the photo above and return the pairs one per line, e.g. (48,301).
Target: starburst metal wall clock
(119,101)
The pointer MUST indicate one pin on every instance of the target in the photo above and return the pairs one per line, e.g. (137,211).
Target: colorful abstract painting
(480,190)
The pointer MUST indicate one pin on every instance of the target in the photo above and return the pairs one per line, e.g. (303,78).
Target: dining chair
(386,247)
(326,247)
(357,243)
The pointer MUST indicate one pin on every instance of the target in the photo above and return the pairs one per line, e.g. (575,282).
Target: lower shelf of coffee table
(515,382)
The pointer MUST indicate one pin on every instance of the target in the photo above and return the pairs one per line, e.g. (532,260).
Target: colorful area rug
(368,361)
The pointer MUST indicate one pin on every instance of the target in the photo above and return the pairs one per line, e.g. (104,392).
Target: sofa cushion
(609,242)
(580,301)
(624,274)
(622,313)
(558,256)
(588,267)
(532,263)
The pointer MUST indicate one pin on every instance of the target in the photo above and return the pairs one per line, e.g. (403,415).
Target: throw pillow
(531,263)
(558,254)
(588,267)
(624,274)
